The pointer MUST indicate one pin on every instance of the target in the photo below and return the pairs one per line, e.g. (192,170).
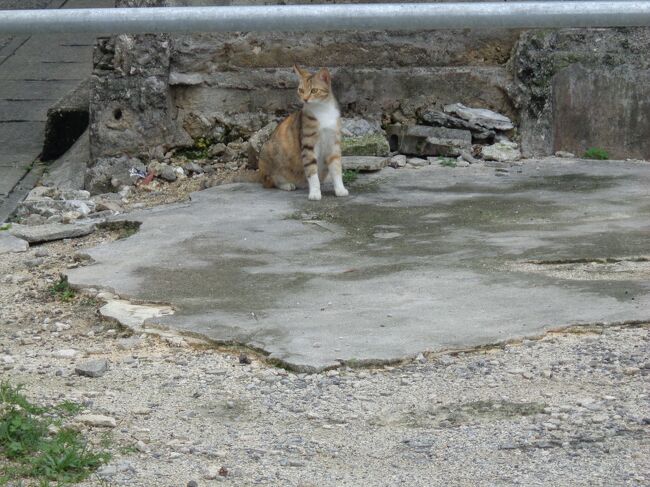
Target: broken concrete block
(441,119)
(422,140)
(364,163)
(480,116)
(504,151)
(69,170)
(50,231)
(9,243)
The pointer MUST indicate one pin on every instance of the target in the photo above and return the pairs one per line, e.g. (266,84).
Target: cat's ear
(299,71)
(325,75)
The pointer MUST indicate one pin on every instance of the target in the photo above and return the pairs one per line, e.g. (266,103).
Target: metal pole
(392,16)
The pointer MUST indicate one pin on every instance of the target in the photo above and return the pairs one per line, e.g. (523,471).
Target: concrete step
(359,91)
(218,52)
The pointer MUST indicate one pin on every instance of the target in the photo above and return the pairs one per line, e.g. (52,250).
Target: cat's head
(314,88)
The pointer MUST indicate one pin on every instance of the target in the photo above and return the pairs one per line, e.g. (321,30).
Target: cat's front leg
(336,171)
(311,171)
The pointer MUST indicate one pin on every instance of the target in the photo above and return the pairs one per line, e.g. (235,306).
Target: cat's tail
(250,177)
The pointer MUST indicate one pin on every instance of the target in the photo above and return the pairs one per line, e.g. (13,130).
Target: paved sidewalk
(34,73)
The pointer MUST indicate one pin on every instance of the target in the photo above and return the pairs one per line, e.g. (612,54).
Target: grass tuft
(447,162)
(34,445)
(350,176)
(198,151)
(62,290)
(596,153)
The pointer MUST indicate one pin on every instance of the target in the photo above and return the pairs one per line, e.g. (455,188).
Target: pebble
(66,353)
(97,420)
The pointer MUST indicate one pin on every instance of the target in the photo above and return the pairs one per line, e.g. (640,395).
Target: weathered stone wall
(582,88)
(167,90)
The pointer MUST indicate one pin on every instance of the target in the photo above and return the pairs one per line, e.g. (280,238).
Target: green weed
(596,153)
(447,162)
(62,290)
(350,176)
(34,445)
(198,151)
(6,226)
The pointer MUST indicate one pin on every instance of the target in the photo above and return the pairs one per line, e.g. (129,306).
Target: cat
(306,147)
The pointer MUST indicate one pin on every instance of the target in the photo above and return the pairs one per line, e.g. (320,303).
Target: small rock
(97,420)
(129,343)
(417,162)
(568,155)
(193,168)
(217,150)
(211,472)
(364,163)
(193,483)
(397,161)
(93,368)
(65,353)
(167,172)
(467,156)
(105,205)
(631,370)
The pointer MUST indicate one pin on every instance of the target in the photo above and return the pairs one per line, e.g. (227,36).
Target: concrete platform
(414,260)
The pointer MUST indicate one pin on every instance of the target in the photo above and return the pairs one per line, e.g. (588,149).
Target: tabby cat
(306,147)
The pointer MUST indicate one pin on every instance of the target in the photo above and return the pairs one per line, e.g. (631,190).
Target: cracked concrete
(415,260)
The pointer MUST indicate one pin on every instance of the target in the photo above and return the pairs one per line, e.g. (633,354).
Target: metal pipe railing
(391,16)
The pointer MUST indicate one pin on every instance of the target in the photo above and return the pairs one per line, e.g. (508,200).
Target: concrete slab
(69,170)
(415,259)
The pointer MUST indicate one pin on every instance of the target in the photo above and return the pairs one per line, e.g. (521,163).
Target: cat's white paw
(315,196)
(287,187)
(341,191)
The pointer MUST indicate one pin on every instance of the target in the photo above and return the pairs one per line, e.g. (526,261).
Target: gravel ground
(572,408)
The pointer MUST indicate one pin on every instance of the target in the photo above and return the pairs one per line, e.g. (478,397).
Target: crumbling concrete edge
(141,318)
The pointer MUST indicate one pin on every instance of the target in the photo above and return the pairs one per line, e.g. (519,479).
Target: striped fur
(306,147)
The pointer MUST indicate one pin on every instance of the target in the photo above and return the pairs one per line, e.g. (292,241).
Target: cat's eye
(300,90)
(314,91)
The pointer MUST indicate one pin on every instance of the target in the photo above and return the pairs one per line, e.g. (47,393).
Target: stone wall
(167,90)
(582,88)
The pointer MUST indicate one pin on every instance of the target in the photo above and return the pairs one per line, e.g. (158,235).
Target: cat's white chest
(327,116)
